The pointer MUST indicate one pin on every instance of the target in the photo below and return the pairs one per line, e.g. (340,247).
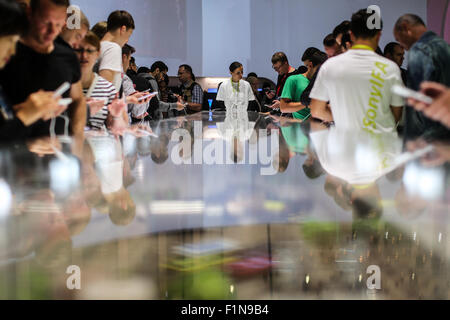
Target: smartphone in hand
(408,93)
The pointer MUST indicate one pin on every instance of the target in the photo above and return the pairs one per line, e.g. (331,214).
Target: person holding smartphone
(98,91)
(439,109)
(280,64)
(15,119)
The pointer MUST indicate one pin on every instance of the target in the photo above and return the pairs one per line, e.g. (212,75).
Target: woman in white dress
(236,94)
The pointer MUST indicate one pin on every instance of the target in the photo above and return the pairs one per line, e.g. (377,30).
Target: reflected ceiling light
(428,183)
(36,206)
(5,199)
(366,159)
(140,170)
(177,207)
(64,175)
(211,134)
(214,211)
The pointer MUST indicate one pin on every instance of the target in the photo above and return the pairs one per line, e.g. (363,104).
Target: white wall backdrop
(210,34)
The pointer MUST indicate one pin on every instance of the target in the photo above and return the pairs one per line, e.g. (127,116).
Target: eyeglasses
(88,51)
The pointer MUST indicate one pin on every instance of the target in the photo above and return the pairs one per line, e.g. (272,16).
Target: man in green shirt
(295,138)
(296,89)
(291,97)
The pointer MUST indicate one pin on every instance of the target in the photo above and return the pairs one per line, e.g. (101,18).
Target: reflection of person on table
(363,201)
(46,227)
(358,157)
(236,130)
(109,164)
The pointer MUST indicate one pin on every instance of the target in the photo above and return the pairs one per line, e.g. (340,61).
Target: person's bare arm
(108,75)
(319,110)
(125,116)
(397,112)
(198,97)
(39,105)
(77,110)
(195,106)
(287,106)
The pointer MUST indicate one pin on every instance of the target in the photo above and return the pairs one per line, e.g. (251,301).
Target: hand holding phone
(439,109)
(65,102)
(61,90)
(408,93)
(147,96)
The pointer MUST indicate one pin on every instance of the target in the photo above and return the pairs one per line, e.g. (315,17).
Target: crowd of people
(348,84)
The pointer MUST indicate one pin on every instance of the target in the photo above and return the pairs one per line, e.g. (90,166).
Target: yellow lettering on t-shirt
(373,102)
(369,123)
(381,66)
(377,76)
(376,83)
(384,162)
(369,120)
(375,92)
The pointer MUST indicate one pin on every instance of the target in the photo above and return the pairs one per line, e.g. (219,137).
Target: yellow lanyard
(238,86)
(362,46)
(362,187)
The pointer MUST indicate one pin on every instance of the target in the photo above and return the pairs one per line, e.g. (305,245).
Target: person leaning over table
(99,92)
(47,65)
(191,91)
(14,120)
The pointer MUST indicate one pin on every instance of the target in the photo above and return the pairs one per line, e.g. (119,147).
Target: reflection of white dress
(358,157)
(236,124)
(108,162)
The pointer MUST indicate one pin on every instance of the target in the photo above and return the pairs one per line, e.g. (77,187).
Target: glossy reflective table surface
(225,206)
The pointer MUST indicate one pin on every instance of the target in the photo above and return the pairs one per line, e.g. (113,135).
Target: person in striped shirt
(99,92)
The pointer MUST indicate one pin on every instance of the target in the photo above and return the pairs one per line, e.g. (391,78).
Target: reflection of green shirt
(295,138)
(293,89)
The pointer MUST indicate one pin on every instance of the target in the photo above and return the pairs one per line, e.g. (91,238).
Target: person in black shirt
(314,63)
(42,64)
(133,69)
(39,105)
(395,52)
(332,48)
(281,65)
(73,36)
